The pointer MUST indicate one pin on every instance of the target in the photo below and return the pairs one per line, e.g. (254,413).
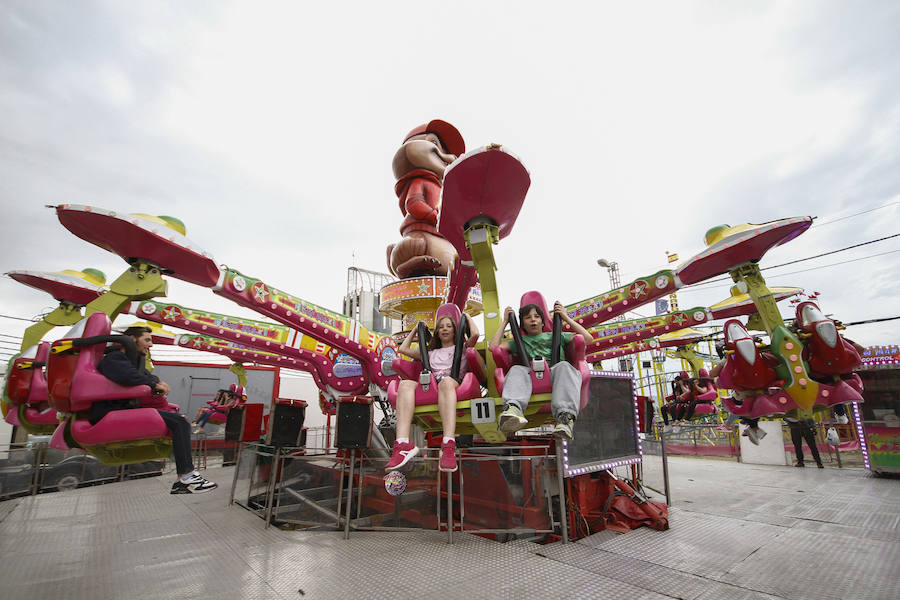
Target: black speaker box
(354,422)
(286,427)
(234,425)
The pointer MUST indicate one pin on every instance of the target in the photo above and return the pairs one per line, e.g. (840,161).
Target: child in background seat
(440,356)
(565,378)
(223,398)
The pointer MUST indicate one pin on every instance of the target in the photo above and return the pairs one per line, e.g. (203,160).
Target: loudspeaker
(286,425)
(234,425)
(244,423)
(354,422)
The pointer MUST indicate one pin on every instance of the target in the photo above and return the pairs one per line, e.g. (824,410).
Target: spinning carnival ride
(480,196)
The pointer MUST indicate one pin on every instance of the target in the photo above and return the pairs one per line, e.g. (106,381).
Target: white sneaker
(195,484)
(842,419)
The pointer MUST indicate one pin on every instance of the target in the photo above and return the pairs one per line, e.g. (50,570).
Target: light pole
(615,282)
(613,268)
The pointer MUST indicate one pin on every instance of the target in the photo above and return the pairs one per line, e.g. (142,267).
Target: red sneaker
(448,457)
(401,455)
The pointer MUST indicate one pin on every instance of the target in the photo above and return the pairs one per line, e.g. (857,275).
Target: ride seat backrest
(535,297)
(475,365)
(502,358)
(712,393)
(61,369)
(38,391)
(77,380)
(18,381)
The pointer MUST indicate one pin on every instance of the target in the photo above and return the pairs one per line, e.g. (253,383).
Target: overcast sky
(269,129)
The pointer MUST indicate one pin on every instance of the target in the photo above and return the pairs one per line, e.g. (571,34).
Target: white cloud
(269,129)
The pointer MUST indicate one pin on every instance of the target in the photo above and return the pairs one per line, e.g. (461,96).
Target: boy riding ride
(565,379)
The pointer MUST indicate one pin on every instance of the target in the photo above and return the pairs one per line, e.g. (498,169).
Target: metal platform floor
(740,532)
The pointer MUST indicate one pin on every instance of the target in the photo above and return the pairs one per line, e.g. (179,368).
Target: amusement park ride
(457,206)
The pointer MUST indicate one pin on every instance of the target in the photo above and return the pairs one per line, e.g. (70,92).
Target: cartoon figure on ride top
(419,168)
(440,375)
(536,344)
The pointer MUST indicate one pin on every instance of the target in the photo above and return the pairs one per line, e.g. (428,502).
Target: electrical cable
(867,321)
(832,252)
(725,278)
(856,214)
(844,262)
(19,318)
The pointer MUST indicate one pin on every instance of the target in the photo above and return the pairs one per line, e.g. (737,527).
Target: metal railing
(33,467)
(502,491)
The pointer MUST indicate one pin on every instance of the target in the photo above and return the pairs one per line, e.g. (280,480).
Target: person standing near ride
(565,378)
(116,367)
(804,429)
(440,356)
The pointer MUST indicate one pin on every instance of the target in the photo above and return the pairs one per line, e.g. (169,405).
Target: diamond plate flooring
(738,532)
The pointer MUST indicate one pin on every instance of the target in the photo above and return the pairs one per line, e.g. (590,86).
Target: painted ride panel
(622,332)
(260,335)
(329,327)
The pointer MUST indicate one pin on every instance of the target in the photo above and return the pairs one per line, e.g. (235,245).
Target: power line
(15,337)
(856,214)
(18,318)
(867,321)
(726,278)
(832,252)
(844,262)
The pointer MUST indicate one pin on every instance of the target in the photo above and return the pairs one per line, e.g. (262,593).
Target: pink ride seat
(574,353)
(468,389)
(120,426)
(75,384)
(27,391)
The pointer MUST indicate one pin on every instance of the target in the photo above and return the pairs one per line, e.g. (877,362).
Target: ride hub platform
(737,531)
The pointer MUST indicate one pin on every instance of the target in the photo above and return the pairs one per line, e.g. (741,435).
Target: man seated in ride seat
(116,367)
(565,378)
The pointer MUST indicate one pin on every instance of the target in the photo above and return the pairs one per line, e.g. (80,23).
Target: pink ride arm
(255,341)
(622,332)
(332,328)
(462,278)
